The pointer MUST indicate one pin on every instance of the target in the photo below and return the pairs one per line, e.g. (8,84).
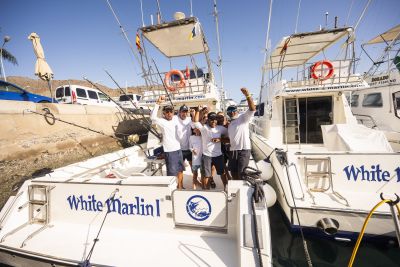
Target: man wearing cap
(172,148)
(211,135)
(184,132)
(239,136)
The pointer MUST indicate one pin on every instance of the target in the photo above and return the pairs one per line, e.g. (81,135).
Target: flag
(285,46)
(138,46)
(195,31)
(187,73)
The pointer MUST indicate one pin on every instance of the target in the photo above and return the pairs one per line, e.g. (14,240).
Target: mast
(221,90)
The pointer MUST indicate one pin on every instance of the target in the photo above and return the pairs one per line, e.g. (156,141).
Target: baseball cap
(212,116)
(184,108)
(231,109)
(168,108)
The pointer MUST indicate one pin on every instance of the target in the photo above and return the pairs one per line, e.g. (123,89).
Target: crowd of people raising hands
(209,141)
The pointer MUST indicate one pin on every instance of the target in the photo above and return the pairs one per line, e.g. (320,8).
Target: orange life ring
(167,80)
(328,64)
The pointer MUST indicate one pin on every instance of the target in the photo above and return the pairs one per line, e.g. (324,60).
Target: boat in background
(192,86)
(378,106)
(329,171)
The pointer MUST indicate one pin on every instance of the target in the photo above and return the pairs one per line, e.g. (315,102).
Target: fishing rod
(164,86)
(115,102)
(146,122)
(51,119)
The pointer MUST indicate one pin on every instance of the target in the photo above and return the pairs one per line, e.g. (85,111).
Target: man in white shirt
(211,135)
(239,137)
(184,132)
(172,148)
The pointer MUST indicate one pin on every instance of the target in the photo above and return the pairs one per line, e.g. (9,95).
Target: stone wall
(31,146)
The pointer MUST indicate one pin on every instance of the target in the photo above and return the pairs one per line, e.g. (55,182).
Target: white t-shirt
(211,149)
(184,131)
(169,131)
(239,132)
(195,144)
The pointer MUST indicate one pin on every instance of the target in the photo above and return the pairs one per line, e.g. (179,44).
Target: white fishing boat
(378,106)
(329,171)
(120,209)
(191,84)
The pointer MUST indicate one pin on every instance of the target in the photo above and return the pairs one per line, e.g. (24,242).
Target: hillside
(40,87)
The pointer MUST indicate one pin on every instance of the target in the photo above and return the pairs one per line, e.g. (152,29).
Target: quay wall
(30,146)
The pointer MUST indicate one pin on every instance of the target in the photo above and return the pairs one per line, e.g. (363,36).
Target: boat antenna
(266,51)
(191,8)
(297,18)
(348,15)
(141,10)
(222,91)
(362,14)
(159,17)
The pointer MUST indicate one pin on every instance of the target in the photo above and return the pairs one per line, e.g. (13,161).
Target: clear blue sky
(82,37)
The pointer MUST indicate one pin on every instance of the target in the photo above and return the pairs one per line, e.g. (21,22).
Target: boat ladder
(292,120)
(318,173)
(39,211)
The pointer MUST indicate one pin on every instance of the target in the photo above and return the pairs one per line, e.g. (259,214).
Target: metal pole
(222,92)
(6,39)
(396,222)
(2,66)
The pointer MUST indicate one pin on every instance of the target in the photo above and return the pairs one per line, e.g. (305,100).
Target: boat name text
(374,174)
(137,207)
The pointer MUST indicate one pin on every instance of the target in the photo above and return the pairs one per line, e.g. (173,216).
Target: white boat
(191,84)
(378,106)
(329,171)
(120,209)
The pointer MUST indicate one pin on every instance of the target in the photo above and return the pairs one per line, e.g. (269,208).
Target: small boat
(329,171)
(378,106)
(120,209)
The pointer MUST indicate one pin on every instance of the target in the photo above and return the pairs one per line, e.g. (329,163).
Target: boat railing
(342,74)
(192,89)
(366,120)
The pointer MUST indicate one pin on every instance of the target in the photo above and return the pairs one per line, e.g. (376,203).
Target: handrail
(374,126)
(9,208)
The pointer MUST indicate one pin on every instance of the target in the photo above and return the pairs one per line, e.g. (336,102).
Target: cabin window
(259,110)
(60,92)
(103,97)
(138,97)
(81,92)
(354,100)
(396,103)
(67,91)
(303,118)
(372,100)
(92,94)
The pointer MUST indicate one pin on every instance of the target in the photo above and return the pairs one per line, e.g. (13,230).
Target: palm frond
(9,57)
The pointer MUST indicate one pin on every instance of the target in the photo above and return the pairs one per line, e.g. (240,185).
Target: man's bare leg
(180,180)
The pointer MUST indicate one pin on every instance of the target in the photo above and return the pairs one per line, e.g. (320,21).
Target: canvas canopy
(177,38)
(388,36)
(297,49)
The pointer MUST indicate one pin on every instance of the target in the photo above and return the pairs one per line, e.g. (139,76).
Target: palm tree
(9,57)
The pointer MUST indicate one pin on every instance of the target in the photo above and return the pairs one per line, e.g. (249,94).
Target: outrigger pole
(222,91)
(165,87)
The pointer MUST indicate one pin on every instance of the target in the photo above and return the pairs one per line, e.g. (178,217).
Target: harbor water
(288,250)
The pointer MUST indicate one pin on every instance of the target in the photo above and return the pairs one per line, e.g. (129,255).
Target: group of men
(201,138)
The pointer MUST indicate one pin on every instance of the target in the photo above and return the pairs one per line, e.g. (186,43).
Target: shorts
(174,162)
(239,160)
(207,162)
(187,154)
(195,168)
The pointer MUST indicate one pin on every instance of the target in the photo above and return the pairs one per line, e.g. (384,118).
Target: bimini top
(177,38)
(388,36)
(297,49)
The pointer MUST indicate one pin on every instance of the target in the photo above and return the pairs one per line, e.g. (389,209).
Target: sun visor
(388,36)
(177,38)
